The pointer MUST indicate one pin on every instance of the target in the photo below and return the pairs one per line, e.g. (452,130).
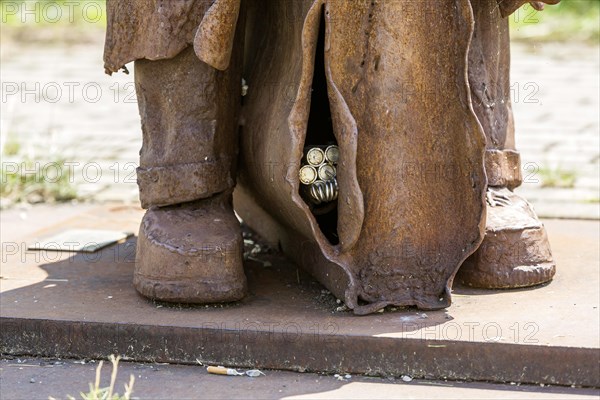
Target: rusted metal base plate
(61,305)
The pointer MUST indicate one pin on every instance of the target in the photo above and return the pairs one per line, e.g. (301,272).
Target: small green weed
(98,393)
(558,178)
(36,182)
(570,20)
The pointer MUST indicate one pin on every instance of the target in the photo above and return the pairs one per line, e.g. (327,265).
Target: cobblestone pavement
(58,104)
(556,102)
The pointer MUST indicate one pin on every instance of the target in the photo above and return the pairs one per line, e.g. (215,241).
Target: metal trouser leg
(190,244)
(515,251)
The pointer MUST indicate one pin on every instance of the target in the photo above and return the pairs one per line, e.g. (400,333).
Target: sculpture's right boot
(190,244)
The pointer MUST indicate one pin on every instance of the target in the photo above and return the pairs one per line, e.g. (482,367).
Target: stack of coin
(318,173)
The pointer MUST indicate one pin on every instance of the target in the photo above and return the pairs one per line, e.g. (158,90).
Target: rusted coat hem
(411,174)
(161,29)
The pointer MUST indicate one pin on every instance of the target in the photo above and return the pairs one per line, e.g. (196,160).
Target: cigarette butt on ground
(254,373)
(222,371)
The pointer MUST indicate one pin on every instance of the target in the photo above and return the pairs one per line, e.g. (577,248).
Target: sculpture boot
(190,243)
(515,251)
(191,252)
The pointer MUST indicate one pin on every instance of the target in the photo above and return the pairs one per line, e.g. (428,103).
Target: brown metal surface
(515,253)
(284,349)
(214,41)
(150,29)
(411,173)
(190,246)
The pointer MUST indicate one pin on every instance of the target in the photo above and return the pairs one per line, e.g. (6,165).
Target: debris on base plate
(342,377)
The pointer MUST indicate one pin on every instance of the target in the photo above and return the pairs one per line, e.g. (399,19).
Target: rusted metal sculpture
(412,95)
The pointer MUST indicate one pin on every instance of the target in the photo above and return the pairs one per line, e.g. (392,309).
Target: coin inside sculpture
(319,177)
(315,156)
(327,172)
(332,154)
(359,76)
(308,174)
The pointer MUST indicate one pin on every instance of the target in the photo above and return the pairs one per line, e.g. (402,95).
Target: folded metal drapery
(161,29)
(410,176)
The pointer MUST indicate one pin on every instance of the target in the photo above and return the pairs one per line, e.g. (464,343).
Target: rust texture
(411,177)
(214,39)
(414,94)
(287,322)
(150,29)
(356,354)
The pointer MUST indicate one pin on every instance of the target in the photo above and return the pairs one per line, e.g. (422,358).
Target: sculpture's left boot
(190,242)
(515,251)
(191,253)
